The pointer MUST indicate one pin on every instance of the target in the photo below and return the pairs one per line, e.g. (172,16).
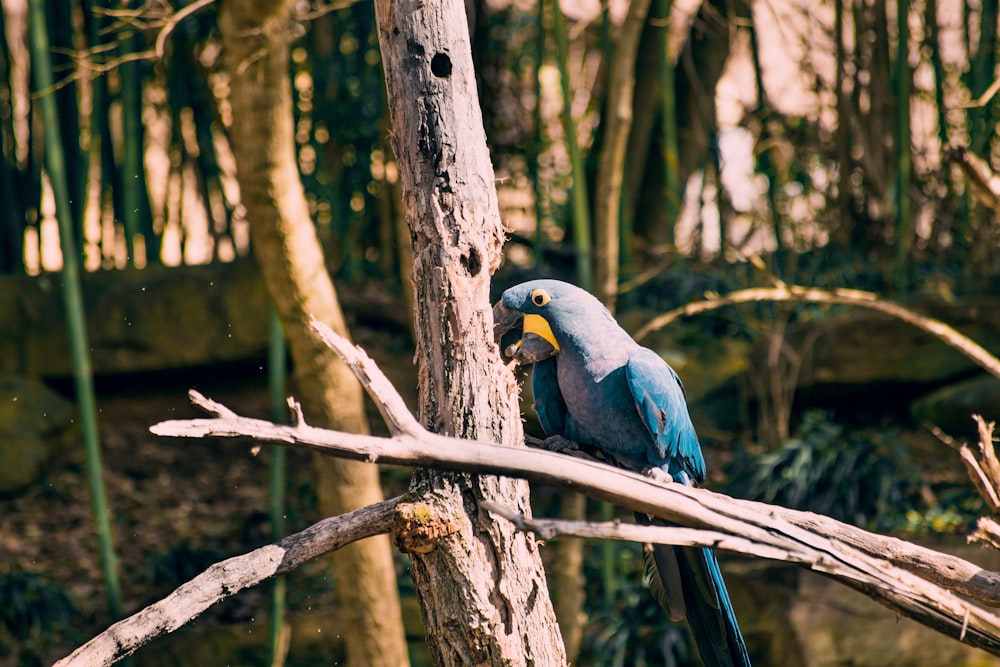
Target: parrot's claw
(561,445)
(553,443)
(658,475)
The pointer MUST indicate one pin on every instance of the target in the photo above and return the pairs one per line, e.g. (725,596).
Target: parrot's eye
(540,297)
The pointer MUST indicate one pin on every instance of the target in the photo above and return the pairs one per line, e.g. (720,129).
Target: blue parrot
(594,385)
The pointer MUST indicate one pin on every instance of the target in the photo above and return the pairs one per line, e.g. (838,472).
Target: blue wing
(659,397)
(549,402)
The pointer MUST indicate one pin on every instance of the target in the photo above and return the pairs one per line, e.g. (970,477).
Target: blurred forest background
(836,144)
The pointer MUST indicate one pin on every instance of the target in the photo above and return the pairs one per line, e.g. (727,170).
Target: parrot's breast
(600,409)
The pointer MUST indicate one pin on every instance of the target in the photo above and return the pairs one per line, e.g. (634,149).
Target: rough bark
(480,584)
(255,36)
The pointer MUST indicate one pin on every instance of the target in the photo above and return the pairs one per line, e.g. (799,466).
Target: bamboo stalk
(135,199)
(902,135)
(12,211)
(101,147)
(765,164)
(981,70)
(668,124)
(73,301)
(845,225)
(611,164)
(61,31)
(539,139)
(278,628)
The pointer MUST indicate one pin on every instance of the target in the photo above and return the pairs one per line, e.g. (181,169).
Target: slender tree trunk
(579,199)
(611,168)
(480,584)
(255,35)
(843,231)
(568,582)
(902,76)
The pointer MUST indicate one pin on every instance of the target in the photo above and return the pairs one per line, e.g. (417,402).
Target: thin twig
(159,47)
(631,532)
(980,463)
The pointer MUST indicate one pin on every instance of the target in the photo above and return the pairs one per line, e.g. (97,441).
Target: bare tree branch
(228,577)
(982,180)
(631,532)
(160,46)
(848,297)
(823,544)
(915,581)
(981,463)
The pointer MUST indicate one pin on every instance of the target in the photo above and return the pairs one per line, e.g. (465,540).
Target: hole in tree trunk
(441,65)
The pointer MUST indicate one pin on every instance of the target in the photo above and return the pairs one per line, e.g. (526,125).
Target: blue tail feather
(710,612)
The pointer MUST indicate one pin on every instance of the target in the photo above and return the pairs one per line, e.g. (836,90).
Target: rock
(34,423)
(157,318)
(862,364)
(951,407)
(869,348)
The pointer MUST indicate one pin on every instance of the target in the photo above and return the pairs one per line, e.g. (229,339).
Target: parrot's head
(549,313)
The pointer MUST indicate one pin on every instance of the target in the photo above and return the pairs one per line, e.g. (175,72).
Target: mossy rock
(869,348)
(137,320)
(34,423)
(951,407)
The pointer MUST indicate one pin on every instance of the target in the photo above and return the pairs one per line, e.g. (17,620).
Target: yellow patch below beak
(539,326)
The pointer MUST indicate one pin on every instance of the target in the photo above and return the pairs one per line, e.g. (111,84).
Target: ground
(205,499)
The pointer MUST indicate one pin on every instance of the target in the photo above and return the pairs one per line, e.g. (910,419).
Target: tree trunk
(255,36)
(480,584)
(568,582)
(611,166)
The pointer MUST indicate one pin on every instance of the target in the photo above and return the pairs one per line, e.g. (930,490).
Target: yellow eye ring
(540,297)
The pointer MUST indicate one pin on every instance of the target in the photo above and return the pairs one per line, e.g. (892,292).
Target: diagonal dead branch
(987,531)
(390,404)
(986,490)
(210,406)
(987,453)
(830,545)
(225,579)
(983,181)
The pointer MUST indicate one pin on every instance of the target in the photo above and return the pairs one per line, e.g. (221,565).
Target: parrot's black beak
(505,320)
(523,348)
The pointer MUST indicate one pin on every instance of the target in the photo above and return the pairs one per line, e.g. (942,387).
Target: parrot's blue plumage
(595,385)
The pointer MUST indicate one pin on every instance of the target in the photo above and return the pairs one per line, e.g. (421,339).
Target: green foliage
(866,478)
(35,616)
(341,134)
(631,629)
(180,563)
(954,510)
